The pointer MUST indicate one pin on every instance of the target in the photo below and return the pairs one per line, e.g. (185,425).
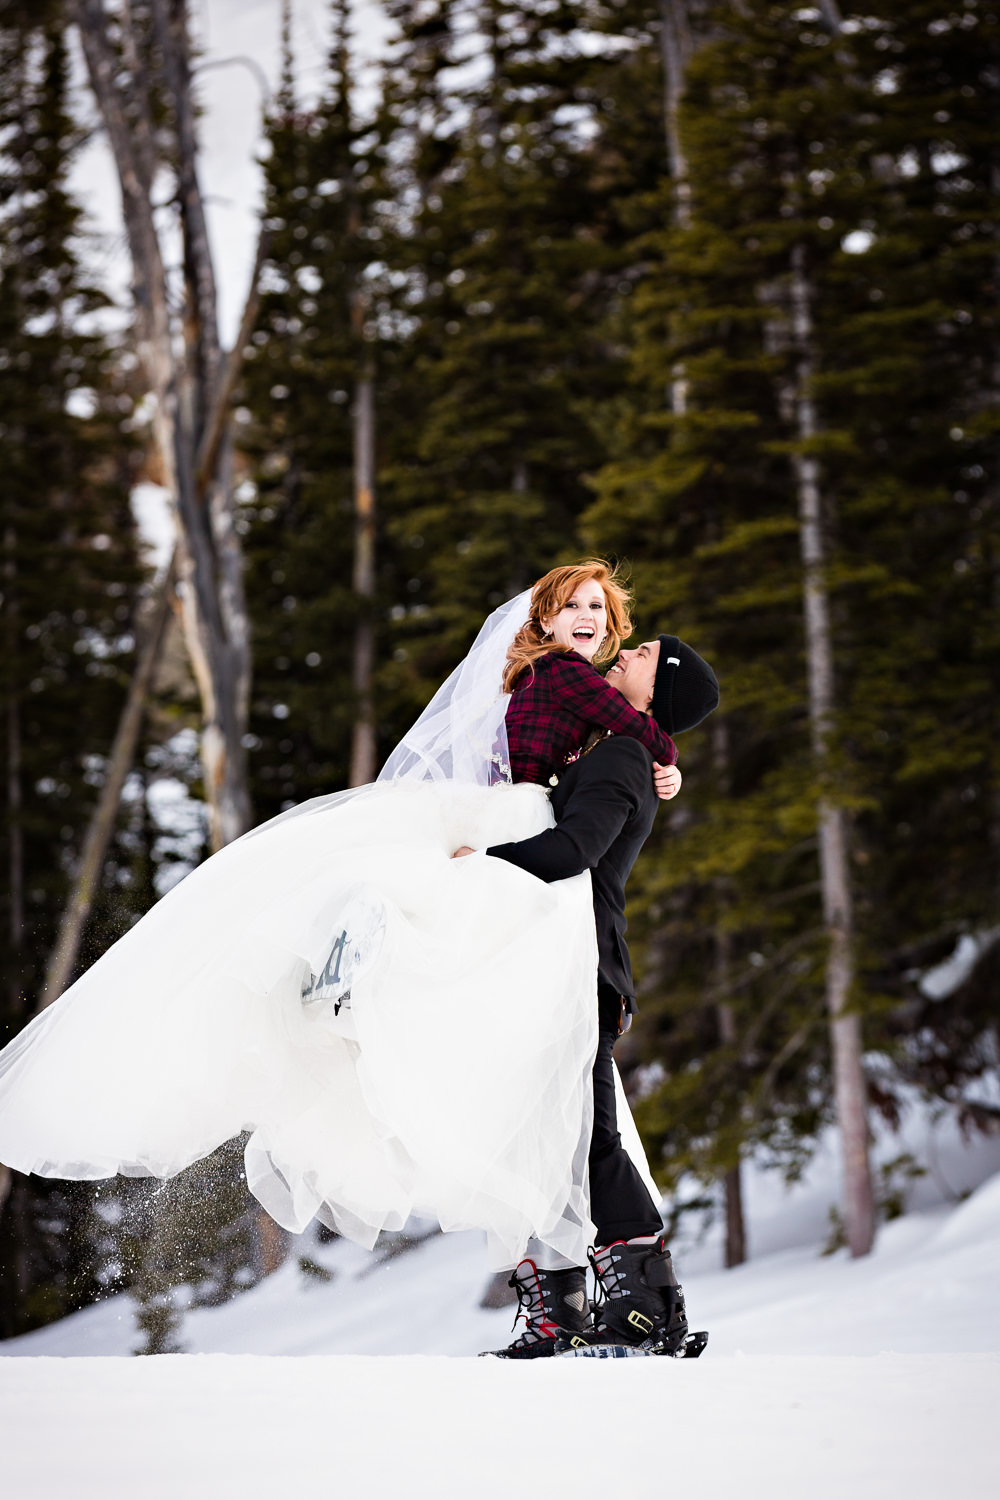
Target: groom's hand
(667,781)
(464,850)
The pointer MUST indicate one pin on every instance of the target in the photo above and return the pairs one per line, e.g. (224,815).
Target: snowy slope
(824,1377)
(930,1286)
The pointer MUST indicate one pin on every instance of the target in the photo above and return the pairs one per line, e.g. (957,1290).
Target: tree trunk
(676,47)
(732,1183)
(363,737)
(992,551)
(363,747)
(102,823)
(213,607)
(732,1180)
(835,875)
(675,53)
(15,829)
(191,391)
(736,1244)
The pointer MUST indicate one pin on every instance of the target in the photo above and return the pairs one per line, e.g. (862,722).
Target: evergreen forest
(710,289)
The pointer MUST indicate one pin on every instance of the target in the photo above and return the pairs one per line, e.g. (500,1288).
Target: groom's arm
(609,785)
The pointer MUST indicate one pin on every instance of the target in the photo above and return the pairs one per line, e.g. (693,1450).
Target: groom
(604,805)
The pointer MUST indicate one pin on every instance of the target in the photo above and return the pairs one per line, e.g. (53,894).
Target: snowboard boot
(641,1304)
(554,1307)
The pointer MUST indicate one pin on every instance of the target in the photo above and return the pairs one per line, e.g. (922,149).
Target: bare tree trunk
(675,52)
(835,875)
(363,737)
(732,1180)
(736,1244)
(213,612)
(191,392)
(102,823)
(15,829)
(363,746)
(992,552)
(676,47)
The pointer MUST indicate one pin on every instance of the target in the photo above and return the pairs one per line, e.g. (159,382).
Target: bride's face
(582,623)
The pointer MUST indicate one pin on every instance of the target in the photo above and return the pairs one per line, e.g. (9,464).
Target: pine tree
(703,500)
(298,392)
(697,503)
(912,377)
(507,257)
(488,264)
(70,580)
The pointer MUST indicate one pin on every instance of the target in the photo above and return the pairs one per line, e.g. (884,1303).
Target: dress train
(401,1032)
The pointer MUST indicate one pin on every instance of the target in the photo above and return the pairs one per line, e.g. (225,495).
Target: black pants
(620,1204)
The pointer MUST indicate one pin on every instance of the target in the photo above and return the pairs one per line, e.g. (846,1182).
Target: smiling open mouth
(583,633)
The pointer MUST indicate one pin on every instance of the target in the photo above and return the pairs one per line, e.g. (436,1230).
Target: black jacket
(604,804)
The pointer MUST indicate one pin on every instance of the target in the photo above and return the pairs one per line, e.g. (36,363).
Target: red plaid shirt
(551,713)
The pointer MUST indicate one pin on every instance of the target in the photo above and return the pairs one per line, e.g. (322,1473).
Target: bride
(399,1034)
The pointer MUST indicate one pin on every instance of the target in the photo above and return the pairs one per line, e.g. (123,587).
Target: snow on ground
(878,1378)
(764,1427)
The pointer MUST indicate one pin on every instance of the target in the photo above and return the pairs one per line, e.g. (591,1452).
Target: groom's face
(634,674)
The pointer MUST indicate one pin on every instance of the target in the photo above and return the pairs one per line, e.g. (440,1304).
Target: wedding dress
(400,1031)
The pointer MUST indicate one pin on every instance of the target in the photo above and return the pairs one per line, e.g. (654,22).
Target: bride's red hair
(548,597)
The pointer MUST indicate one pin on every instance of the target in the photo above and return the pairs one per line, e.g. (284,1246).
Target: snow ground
(824,1376)
(762,1427)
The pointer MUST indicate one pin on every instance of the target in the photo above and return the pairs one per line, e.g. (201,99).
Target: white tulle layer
(456,1084)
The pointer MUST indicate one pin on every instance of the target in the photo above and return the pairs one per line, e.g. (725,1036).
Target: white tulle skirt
(401,1032)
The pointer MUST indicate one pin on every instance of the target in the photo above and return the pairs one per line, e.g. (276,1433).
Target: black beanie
(685,690)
